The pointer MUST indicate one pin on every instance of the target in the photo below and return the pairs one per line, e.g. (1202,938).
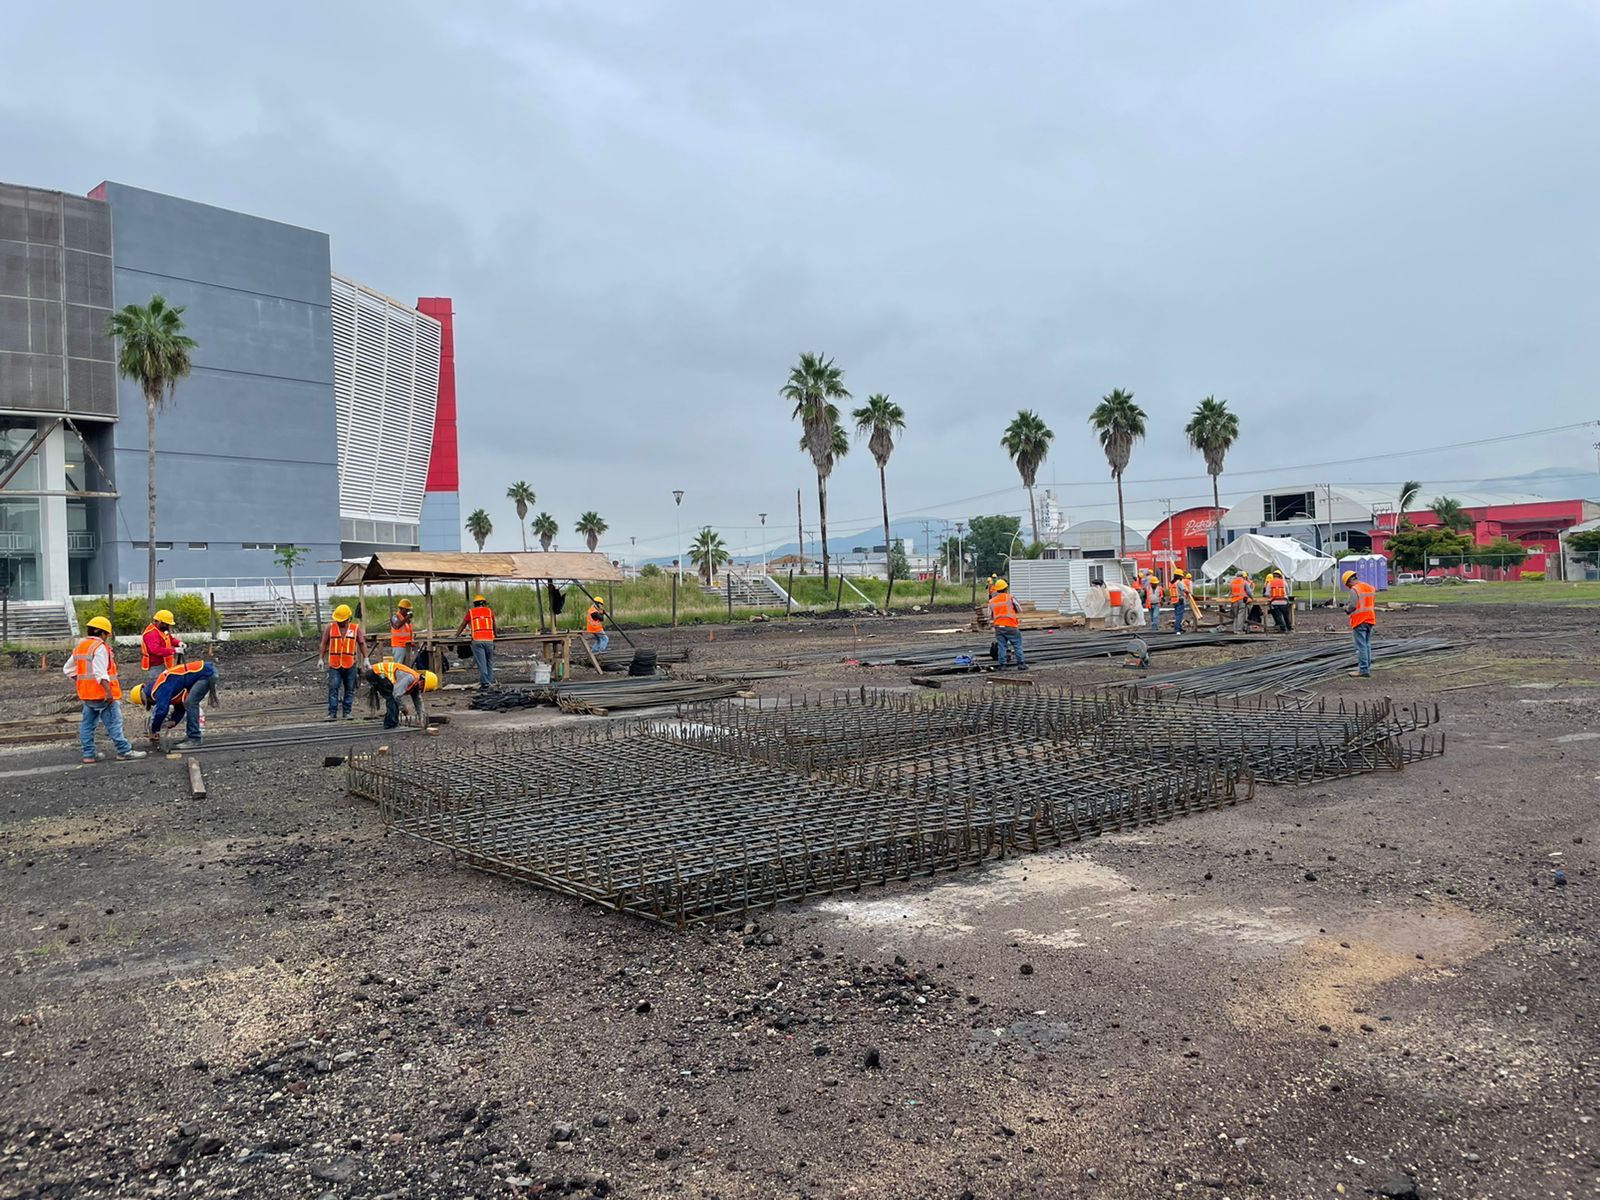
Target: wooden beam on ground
(197,782)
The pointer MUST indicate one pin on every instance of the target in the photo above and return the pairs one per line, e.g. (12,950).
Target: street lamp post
(763,517)
(960,558)
(633,550)
(677,502)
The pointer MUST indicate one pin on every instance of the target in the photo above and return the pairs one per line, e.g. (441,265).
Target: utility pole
(799,525)
(961,559)
(1170,561)
(677,501)
(763,517)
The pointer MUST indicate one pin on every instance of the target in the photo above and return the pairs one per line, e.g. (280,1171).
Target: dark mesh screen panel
(88,279)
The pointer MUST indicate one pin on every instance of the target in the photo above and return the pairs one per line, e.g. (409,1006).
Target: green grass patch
(1510,591)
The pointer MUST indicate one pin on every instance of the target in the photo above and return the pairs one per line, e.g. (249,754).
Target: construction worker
(176,694)
(594,625)
(1178,592)
(480,617)
(1240,590)
(394,681)
(1363,610)
(342,645)
(93,669)
(1004,616)
(1280,602)
(401,633)
(159,648)
(1152,599)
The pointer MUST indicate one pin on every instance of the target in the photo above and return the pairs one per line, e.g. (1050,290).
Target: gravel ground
(1357,988)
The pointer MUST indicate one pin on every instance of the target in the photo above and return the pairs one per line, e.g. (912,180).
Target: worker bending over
(394,681)
(93,669)
(160,647)
(594,624)
(1363,610)
(176,695)
(401,633)
(342,645)
(480,617)
(1280,602)
(1005,617)
(1240,592)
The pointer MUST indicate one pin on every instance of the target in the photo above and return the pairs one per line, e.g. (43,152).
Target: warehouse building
(320,412)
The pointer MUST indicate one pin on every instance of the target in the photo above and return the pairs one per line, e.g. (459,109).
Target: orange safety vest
(1277,589)
(189,668)
(90,688)
(592,623)
(396,672)
(401,634)
(342,644)
(482,618)
(1175,592)
(1152,592)
(1237,589)
(145,661)
(1003,611)
(1366,612)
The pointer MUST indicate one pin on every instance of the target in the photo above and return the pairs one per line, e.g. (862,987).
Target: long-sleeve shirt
(173,694)
(158,646)
(99,665)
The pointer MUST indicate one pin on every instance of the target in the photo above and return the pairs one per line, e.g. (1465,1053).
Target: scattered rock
(871,1060)
(1399,1187)
(561,1131)
(1311,876)
(340,1170)
(601,1120)
(1026,968)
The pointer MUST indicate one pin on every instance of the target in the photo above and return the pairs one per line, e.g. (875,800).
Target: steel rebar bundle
(1286,670)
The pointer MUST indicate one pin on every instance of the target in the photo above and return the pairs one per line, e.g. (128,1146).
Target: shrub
(650,571)
(1534,575)
(133,614)
(191,610)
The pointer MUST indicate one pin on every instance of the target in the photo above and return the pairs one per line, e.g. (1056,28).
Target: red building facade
(1182,540)
(1537,525)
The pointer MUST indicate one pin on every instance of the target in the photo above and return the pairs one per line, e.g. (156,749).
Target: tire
(644,663)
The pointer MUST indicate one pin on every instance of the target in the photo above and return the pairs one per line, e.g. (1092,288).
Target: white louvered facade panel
(386,380)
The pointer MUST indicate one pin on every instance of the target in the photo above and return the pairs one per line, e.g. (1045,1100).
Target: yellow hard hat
(136,696)
(430,681)
(1000,585)
(165,617)
(342,613)
(100,623)
(1347,577)
(599,603)
(404,603)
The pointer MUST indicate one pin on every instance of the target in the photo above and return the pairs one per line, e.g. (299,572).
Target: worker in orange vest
(480,618)
(1152,599)
(1178,592)
(159,646)
(1004,616)
(343,645)
(401,632)
(93,669)
(594,624)
(1363,609)
(1240,590)
(394,681)
(1280,602)
(176,695)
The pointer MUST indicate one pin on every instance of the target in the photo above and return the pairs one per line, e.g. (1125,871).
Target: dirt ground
(1327,991)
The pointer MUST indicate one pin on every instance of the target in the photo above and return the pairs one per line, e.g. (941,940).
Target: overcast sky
(1369,226)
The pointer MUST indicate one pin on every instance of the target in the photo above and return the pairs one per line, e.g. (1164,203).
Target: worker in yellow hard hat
(176,694)
(480,617)
(1279,602)
(92,667)
(1179,592)
(159,647)
(1005,617)
(1363,610)
(394,681)
(343,646)
(594,624)
(401,632)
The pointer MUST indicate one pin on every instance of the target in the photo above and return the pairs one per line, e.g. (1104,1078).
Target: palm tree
(881,418)
(522,495)
(1408,497)
(591,526)
(1213,430)
(1450,513)
(707,553)
(155,354)
(814,384)
(1120,423)
(1027,440)
(480,527)
(545,529)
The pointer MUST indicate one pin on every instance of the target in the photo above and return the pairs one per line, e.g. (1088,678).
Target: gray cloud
(1366,224)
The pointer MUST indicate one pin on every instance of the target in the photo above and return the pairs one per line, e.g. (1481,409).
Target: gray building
(308,419)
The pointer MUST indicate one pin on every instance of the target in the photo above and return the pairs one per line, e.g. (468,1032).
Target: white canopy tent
(1251,552)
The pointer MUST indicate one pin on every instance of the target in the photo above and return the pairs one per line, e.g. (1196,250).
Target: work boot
(189,744)
(349,716)
(130,756)
(331,717)
(1357,674)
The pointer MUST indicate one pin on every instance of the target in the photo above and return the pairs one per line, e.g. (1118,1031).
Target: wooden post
(5,616)
(538,599)
(729,580)
(838,602)
(674,599)
(216,624)
(933,588)
(197,783)
(316,603)
(974,589)
(361,603)
(788,603)
(427,603)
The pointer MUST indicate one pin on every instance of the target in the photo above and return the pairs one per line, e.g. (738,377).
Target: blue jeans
(107,713)
(1010,641)
(1363,635)
(1155,618)
(341,677)
(483,655)
(1177,617)
(191,709)
(601,641)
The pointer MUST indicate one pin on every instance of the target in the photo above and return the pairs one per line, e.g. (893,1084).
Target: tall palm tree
(707,552)
(480,527)
(155,353)
(545,529)
(591,525)
(1120,423)
(522,495)
(880,418)
(1408,497)
(1213,430)
(1450,513)
(814,385)
(1027,440)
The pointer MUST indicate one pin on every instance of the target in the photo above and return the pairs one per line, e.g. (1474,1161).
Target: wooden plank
(197,782)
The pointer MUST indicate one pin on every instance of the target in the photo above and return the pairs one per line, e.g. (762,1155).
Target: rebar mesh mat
(732,807)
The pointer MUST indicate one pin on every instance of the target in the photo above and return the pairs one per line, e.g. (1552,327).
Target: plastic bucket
(541,672)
